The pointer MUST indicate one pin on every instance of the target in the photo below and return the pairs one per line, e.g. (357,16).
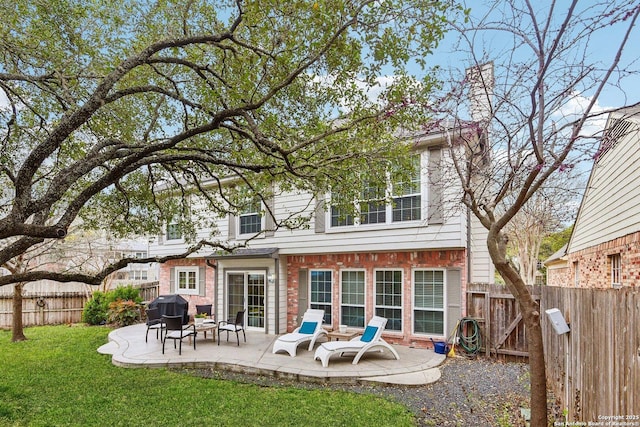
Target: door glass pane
(235,295)
(255,300)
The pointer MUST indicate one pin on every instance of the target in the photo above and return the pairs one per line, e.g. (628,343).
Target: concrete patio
(128,349)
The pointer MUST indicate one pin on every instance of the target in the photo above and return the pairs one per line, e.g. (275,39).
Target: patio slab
(129,349)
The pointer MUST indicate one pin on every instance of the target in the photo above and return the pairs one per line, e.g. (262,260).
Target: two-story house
(408,259)
(604,248)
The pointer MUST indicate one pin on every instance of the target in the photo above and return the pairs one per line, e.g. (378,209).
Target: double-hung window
(407,199)
(373,207)
(340,217)
(321,292)
(174,232)
(389,297)
(352,298)
(187,280)
(251,218)
(396,201)
(428,302)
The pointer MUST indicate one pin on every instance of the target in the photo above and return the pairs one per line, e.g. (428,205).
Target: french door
(245,291)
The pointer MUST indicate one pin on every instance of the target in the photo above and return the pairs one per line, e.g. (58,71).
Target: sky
(600,48)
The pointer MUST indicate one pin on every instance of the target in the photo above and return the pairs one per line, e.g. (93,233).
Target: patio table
(342,335)
(207,327)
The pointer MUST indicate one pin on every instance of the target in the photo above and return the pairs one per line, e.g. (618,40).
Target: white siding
(610,207)
(401,236)
(240,265)
(482,269)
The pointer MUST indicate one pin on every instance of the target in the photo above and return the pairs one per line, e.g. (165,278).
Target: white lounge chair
(310,330)
(370,340)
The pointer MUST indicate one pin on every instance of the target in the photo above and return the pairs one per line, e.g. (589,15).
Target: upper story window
(373,207)
(174,232)
(339,216)
(399,201)
(407,199)
(251,218)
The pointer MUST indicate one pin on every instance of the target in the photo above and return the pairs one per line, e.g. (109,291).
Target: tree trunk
(17,329)
(530,310)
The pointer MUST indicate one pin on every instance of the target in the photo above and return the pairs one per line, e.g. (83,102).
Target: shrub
(97,309)
(124,312)
(125,293)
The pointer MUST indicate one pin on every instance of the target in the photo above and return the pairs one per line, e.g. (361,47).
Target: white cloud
(576,107)
(372,92)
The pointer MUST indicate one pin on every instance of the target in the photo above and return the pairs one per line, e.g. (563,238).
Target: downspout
(215,286)
(468,247)
(277,296)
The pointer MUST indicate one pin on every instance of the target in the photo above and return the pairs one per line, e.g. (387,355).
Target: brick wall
(405,261)
(559,276)
(595,267)
(193,300)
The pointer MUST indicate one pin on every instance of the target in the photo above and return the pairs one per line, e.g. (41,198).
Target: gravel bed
(478,392)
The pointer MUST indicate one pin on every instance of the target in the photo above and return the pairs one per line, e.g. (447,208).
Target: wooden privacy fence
(44,308)
(498,314)
(594,370)
(54,308)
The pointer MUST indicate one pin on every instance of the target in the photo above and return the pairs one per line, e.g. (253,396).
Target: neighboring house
(409,261)
(558,271)
(138,272)
(604,248)
(90,252)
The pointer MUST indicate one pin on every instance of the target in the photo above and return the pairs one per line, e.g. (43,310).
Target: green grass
(57,378)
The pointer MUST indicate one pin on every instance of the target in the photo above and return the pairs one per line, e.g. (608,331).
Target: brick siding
(164,279)
(405,261)
(594,263)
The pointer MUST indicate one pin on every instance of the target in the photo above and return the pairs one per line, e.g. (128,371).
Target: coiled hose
(469,335)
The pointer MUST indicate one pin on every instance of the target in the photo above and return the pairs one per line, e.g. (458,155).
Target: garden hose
(469,335)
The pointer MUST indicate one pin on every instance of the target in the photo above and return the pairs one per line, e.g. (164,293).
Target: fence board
(54,308)
(602,373)
(498,313)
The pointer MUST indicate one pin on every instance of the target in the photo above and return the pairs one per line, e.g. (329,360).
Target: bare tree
(547,211)
(542,69)
(80,252)
(105,106)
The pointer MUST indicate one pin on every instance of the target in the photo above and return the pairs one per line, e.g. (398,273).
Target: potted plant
(199,318)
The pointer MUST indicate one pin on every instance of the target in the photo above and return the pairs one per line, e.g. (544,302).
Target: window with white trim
(373,205)
(389,297)
(407,198)
(174,232)
(187,280)
(321,285)
(251,218)
(340,217)
(352,298)
(615,263)
(428,302)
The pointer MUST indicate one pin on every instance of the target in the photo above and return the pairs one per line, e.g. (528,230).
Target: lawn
(57,378)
